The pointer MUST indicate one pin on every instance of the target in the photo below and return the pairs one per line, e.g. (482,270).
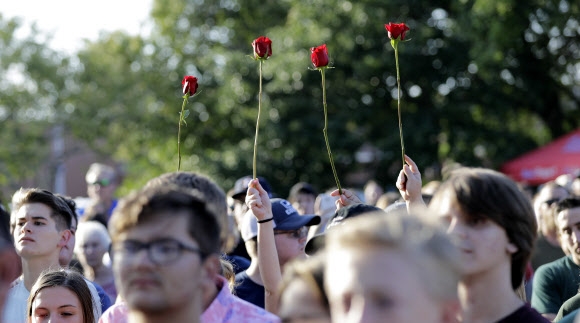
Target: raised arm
(259,203)
(409,185)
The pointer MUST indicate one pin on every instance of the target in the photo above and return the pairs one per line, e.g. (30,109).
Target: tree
(482,82)
(33,103)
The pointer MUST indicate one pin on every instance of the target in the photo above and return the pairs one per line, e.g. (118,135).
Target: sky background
(71,21)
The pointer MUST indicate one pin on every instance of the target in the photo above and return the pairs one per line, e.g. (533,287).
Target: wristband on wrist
(266,220)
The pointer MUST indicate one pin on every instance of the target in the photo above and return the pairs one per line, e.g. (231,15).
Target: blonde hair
(423,240)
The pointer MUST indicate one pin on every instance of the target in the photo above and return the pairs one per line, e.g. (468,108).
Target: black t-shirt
(249,291)
(524,314)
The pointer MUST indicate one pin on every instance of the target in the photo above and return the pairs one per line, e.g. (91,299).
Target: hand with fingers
(345,199)
(409,183)
(258,201)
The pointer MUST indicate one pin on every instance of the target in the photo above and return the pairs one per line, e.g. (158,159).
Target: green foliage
(482,81)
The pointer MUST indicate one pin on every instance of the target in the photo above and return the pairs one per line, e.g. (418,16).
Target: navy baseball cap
(241,187)
(285,218)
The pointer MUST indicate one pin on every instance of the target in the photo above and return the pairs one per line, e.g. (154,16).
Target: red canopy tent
(562,156)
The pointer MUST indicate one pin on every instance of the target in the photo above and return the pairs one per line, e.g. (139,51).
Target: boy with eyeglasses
(166,245)
(290,234)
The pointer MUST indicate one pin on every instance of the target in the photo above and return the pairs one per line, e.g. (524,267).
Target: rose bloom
(262,47)
(189,85)
(319,56)
(395,30)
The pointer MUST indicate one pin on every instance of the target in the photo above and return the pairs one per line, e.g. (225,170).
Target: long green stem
(399,101)
(257,123)
(325,131)
(181,119)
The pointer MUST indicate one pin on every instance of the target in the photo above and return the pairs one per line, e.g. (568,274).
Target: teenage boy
(40,225)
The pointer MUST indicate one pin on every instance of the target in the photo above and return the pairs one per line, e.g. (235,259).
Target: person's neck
(488,297)
(189,313)
(552,239)
(99,274)
(33,267)
(254,272)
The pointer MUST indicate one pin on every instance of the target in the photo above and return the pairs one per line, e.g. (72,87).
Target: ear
(65,236)
(211,266)
(511,248)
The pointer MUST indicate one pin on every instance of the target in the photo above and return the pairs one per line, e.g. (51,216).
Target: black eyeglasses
(104,182)
(160,252)
(296,234)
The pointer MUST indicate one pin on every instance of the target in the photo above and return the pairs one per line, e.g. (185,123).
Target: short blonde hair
(423,240)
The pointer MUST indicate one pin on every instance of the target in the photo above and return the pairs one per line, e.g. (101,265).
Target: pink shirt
(225,308)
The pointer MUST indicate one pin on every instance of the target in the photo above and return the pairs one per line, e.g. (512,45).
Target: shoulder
(557,266)
(248,312)
(117,313)
(525,314)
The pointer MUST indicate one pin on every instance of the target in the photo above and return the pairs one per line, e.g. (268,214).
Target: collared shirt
(225,308)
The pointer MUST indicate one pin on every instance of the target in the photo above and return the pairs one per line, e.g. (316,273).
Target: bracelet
(266,220)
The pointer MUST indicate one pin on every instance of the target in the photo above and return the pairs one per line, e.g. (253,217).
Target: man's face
(290,244)
(378,285)
(100,186)
(547,200)
(483,244)
(152,287)
(568,222)
(35,233)
(91,249)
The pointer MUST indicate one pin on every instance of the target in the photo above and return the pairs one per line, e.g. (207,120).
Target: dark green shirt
(555,283)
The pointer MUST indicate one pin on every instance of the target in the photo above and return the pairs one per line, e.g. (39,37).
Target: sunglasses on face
(295,234)
(104,182)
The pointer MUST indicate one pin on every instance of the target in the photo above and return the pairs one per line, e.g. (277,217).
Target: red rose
(189,85)
(262,47)
(319,56)
(396,30)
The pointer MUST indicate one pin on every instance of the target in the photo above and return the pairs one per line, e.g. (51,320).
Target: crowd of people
(473,247)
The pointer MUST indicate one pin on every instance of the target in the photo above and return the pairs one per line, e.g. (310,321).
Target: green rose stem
(395,44)
(325,130)
(181,120)
(258,121)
